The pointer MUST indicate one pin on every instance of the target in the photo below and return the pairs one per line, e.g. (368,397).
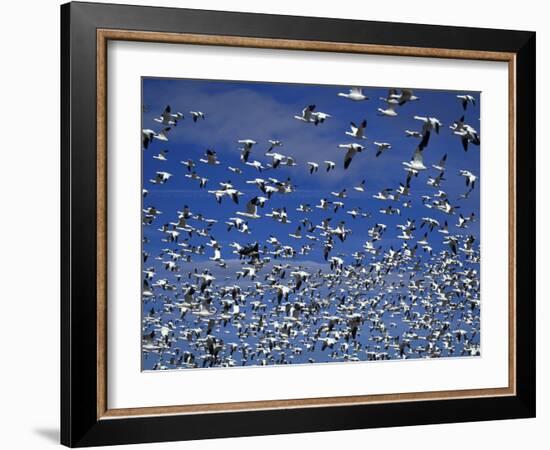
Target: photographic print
(304,224)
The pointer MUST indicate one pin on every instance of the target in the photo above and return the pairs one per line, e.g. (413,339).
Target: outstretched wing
(465,143)
(348,158)
(417,157)
(166,114)
(425,139)
(405,96)
(307,112)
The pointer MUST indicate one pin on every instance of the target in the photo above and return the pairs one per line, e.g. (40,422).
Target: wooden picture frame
(86,418)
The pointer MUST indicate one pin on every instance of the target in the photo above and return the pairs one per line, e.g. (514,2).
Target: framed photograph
(277,224)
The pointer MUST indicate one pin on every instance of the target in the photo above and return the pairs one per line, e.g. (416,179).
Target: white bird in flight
(197,115)
(357,132)
(382,147)
(465,99)
(168,118)
(313,167)
(470,178)
(467,133)
(274,143)
(256,164)
(360,187)
(406,95)
(352,149)
(161,156)
(251,209)
(355,93)
(441,164)
(246,148)
(148,136)
(211,158)
(430,123)
(417,162)
(307,114)
(161,178)
(389,110)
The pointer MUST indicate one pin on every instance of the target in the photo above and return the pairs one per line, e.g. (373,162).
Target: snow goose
(167,118)
(197,115)
(406,95)
(470,178)
(330,165)
(465,99)
(161,156)
(360,187)
(189,164)
(307,114)
(313,167)
(161,178)
(256,164)
(355,93)
(246,148)
(251,209)
(417,162)
(389,110)
(149,135)
(441,164)
(211,158)
(274,143)
(357,132)
(352,149)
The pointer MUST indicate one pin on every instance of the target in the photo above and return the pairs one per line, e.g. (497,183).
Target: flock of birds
(208,303)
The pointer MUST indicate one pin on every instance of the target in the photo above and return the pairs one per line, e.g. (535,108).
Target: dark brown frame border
(106,35)
(86,28)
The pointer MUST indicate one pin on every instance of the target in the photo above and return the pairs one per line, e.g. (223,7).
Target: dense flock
(410,290)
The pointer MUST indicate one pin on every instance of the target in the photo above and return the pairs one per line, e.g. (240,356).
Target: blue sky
(262,111)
